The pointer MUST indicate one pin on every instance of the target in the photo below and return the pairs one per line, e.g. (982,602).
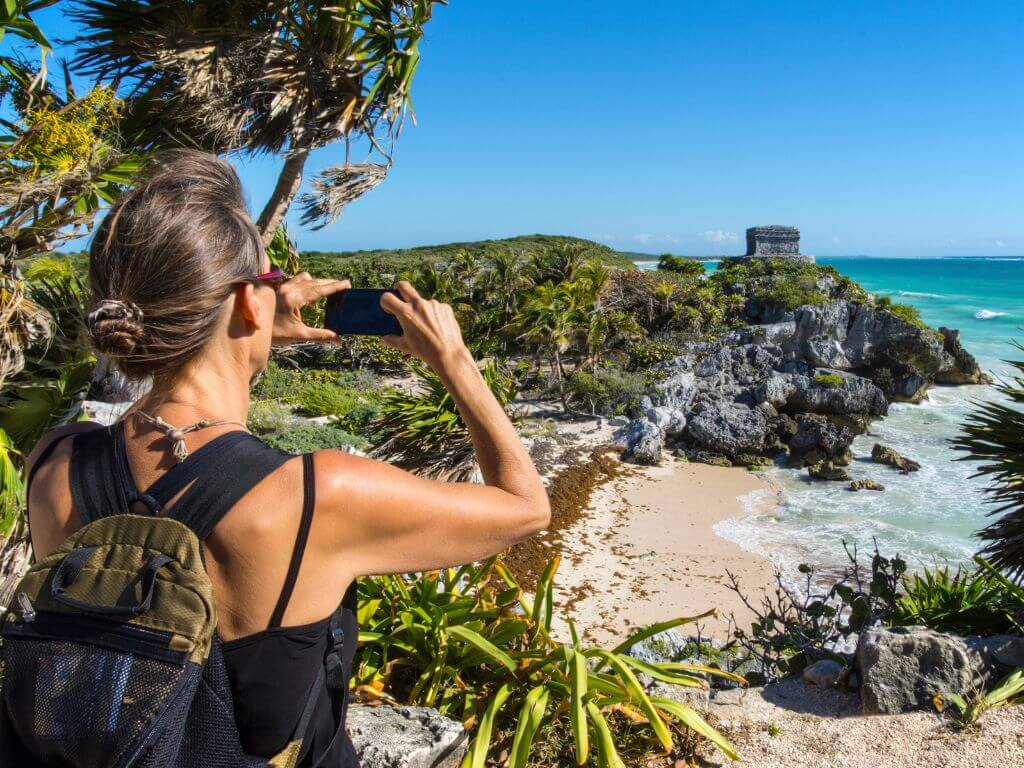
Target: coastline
(646,551)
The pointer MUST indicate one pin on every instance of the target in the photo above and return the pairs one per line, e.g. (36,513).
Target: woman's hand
(429,328)
(292,296)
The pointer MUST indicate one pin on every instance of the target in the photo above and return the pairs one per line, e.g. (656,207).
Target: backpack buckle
(28,613)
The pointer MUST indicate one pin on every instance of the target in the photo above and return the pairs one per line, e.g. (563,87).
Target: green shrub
(828,379)
(796,290)
(957,601)
(269,416)
(368,352)
(285,384)
(608,389)
(326,399)
(681,265)
(903,311)
(645,354)
(305,436)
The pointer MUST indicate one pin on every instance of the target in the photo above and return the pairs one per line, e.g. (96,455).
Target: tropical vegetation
(471,643)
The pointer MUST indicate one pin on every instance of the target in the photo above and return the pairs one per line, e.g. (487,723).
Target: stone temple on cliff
(775,242)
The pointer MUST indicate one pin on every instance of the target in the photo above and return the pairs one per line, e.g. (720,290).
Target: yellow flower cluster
(59,140)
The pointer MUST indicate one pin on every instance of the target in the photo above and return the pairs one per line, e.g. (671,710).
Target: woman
(182,297)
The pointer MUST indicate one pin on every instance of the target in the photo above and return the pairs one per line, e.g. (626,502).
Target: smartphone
(357,312)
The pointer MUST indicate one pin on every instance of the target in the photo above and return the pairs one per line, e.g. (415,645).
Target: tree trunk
(284,192)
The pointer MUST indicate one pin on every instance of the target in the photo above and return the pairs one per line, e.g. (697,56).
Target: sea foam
(987,314)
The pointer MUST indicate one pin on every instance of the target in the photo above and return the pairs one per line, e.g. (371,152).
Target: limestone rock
(866,484)
(817,439)
(883,454)
(964,369)
(902,668)
(728,427)
(405,737)
(671,421)
(824,673)
(1005,651)
(827,470)
(642,442)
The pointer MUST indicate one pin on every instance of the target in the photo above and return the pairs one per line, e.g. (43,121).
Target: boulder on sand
(727,427)
(642,442)
(902,668)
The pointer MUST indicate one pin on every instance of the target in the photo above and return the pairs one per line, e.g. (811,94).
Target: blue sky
(881,128)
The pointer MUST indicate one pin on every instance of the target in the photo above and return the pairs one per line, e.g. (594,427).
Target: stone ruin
(775,242)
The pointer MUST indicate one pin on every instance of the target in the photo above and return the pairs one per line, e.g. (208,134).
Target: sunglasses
(273,278)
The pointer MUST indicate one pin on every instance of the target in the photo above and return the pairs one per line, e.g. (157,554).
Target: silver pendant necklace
(176,435)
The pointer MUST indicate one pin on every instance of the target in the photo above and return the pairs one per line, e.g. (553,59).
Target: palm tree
(549,319)
(994,435)
(264,77)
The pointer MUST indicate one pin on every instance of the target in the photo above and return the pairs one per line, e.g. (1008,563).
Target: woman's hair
(163,261)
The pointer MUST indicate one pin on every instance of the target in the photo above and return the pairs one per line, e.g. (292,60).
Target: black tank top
(271,672)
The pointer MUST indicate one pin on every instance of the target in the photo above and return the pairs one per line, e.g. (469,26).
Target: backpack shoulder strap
(95,488)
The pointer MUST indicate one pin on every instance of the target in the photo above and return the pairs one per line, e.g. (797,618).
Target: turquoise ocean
(930,516)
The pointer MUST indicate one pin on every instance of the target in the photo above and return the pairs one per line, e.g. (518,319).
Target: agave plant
(994,435)
(423,428)
(958,601)
(1007,692)
(472,644)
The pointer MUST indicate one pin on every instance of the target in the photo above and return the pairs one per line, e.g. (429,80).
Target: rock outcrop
(405,737)
(751,391)
(866,484)
(965,368)
(883,454)
(817,439)
(902,668)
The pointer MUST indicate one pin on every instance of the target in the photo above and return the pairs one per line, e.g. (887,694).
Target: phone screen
(357,312)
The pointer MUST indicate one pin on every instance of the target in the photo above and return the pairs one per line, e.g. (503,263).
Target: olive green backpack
(110,653)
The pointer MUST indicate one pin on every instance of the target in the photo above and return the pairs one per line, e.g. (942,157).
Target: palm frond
(337,187)
(993,434)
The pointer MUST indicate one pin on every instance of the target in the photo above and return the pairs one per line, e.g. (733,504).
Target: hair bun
(115,326)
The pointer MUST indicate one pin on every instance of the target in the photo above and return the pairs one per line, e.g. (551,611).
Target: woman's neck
(202,392)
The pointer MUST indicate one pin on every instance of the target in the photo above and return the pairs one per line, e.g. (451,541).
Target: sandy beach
(645,551)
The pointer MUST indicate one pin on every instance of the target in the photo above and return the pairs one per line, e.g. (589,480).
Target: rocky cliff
(806,379)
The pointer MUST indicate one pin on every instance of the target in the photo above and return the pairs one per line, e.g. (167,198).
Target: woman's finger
(317,334)
(317,289)
(392,304)
(407,291)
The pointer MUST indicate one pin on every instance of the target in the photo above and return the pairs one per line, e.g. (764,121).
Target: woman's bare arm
(385,520)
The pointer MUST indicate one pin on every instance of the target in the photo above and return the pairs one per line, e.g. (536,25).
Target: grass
(828,379)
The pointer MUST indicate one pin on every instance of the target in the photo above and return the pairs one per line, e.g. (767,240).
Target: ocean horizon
(931,516)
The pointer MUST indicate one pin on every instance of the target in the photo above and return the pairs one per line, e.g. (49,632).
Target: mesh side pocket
(85,706)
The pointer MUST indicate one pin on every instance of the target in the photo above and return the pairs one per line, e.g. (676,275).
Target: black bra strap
(308,503)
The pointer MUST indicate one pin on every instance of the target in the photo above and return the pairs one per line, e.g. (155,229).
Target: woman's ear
(247,304)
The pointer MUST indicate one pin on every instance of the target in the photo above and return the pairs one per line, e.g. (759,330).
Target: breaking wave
(987,314)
